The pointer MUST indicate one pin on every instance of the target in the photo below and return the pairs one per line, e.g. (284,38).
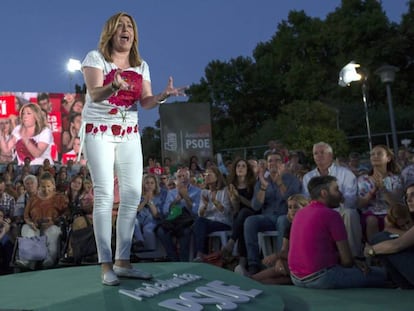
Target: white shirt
(45,136)
(346,180)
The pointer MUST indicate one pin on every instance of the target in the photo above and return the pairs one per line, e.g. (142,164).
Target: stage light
(74,65)
(349,74)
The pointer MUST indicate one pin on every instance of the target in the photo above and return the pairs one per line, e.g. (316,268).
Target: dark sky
(177,38)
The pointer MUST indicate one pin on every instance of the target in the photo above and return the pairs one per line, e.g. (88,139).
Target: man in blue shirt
(186,196)
(270,199)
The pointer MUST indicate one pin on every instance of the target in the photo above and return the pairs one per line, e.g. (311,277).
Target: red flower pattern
(116,129)
(22,151)
(122,98)
(89,128)
(125,98)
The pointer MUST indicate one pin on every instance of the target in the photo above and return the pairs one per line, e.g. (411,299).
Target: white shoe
(241,270)
(109,278)
(132,273)
(22,263)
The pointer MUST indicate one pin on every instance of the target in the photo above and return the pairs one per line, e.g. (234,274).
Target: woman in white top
(116,79)
(32,138)
(215,213)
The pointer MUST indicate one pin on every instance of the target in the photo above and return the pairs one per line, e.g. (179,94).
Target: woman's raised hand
(170,90)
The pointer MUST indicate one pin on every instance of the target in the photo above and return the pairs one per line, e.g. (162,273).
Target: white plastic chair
(267,242)
(217,239)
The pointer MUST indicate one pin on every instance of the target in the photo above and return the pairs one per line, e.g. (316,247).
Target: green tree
(151,143)
(301,62)
(291,61)
(303,123)
(228,87)
(403,86)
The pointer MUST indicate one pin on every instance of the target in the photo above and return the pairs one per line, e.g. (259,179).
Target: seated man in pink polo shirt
(319,254)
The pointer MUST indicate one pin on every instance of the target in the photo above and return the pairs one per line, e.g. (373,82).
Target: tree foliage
(302,123)
(289,88)
(151,142)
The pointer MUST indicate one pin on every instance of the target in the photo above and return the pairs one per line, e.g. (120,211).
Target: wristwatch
(371,252)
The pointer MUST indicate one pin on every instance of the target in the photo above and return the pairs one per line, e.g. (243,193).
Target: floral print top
(117,115)
(378,205)
(45,136)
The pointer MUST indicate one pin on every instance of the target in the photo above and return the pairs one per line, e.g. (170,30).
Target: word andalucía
(223,296)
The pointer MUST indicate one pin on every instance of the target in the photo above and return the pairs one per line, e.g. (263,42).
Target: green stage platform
(79,288)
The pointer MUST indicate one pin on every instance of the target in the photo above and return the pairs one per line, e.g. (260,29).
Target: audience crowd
(340,223)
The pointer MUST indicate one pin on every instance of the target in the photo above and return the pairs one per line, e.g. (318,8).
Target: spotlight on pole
(349,74)
(74,65)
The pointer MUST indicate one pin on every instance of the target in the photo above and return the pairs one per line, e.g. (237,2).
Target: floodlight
(349,74)
(74,65)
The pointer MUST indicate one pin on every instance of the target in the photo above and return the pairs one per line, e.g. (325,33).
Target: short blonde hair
(300,199)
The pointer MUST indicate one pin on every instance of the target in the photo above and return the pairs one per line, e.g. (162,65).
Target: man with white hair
(347,182)
(31,186)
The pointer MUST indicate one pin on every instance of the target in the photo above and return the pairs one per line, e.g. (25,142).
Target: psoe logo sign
(223,296)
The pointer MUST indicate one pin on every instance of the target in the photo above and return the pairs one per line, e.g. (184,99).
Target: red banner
(7,106)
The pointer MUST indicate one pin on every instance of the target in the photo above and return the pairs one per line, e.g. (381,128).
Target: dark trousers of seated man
(169,240)
(260,223)
(237,233)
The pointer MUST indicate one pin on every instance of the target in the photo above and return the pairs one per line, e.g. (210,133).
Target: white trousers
(105,154)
